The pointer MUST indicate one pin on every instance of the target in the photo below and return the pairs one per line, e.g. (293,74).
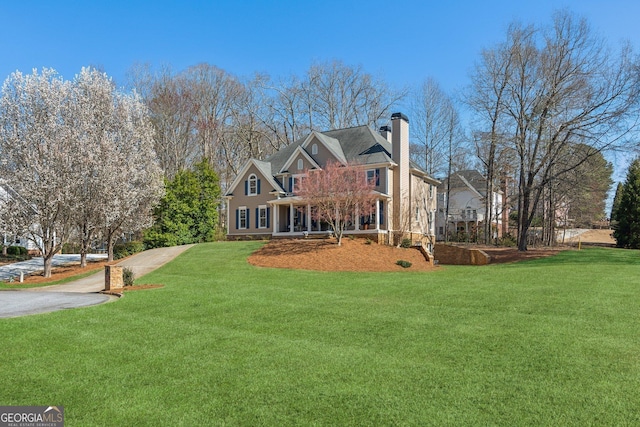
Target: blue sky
(403,42)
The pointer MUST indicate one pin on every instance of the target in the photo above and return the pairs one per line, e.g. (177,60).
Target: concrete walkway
(82,292)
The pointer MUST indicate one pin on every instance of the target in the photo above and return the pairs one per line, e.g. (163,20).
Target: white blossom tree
(35,155)
(131,171)
(77,156)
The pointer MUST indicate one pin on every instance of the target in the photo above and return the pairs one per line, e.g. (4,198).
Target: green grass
(554,342)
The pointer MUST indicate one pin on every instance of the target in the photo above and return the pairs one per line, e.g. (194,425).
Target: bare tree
(331,95)
(170,100)
(563,87)
(433,135)
(486,96)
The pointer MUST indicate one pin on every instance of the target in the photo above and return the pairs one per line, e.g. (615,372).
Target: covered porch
(292,218)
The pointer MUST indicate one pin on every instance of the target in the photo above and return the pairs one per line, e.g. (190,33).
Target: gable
(262,171)
(299,156)
(331,144)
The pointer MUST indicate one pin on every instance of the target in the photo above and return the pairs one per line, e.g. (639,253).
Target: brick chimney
(401,175)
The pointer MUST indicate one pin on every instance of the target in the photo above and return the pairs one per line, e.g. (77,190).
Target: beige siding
(251,202)
(323,156)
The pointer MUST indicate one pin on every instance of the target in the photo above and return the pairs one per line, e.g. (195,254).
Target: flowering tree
(74,156)
(337,194)
(116,172)
(35,147)
(134,177)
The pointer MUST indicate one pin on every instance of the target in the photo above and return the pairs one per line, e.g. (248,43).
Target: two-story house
(261,201)
(467,195)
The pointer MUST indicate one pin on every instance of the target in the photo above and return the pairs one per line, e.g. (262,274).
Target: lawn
(553,341)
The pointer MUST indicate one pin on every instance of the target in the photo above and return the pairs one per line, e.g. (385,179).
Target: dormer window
(314,149)
(300,164)
(253,185)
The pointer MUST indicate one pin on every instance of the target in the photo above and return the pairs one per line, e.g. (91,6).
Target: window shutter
(247,210)
(258,186)
(381,213)
(246,187)
(237,219)
(268,222)
(377,177)
(258,217)
(291,184)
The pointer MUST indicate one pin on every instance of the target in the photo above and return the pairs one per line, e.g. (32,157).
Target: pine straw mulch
(326,255)
(357,255)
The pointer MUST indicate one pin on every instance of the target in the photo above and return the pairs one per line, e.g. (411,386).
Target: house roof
(358,145)
(471,179)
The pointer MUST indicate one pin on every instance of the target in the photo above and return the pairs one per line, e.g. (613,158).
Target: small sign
(31,416)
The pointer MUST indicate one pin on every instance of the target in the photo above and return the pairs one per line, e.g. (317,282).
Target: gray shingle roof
(359,145)
(461,178)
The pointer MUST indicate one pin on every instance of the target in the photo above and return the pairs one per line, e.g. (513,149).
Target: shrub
(403,263)
(156,239)
(122,250)
(70,248)
(406,243)
(368,241)
(16,250)
(508,240)
(128,277)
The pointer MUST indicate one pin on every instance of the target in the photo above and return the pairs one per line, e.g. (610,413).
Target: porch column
(377,214)
(290,217)
(274,218)
(308,218)
(356,219)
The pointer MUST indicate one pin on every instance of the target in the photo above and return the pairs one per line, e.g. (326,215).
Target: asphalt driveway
(80,293)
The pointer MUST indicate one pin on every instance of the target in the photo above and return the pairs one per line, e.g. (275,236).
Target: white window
(314,149)
(300,164)
(295,182)
(253,185)
(242,218)
(371,176)
(262,217)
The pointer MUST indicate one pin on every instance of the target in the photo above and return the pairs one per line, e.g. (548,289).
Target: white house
(467,195)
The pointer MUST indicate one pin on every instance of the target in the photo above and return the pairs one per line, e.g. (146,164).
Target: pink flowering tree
(337,194)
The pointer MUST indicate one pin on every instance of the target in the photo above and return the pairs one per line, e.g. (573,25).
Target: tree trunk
(47,264)
(110,243)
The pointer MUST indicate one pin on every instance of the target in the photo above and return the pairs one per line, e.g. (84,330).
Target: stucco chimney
(385,131)
(401,176)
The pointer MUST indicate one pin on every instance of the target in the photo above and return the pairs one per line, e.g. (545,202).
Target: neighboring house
(9,238)
(261,201)
(467,192)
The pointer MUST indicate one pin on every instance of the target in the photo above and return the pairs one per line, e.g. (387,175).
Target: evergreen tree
(627,213)
(188,213)
(616,202)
